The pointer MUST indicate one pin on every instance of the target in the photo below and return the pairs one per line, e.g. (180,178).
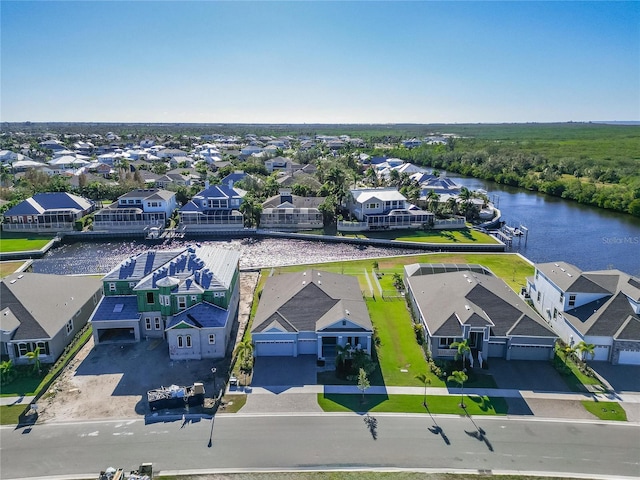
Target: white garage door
(530,352)
(628,357)
(282,348)
(601,353)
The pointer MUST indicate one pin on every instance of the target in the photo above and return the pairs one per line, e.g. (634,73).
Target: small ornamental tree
(363,382)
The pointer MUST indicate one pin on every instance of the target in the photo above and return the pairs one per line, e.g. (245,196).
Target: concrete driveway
(623,378)
(284,371)
(526,375)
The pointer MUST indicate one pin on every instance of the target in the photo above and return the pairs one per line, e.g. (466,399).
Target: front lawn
(21,242)
(10,414)
(399,355)
(605,410)
(475,404)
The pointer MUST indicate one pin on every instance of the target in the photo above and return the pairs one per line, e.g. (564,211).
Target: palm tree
(425,380)
(342,353)
(244,351)
(463,350)
(35,357)
(586,349)
(6,371)
(251,209)
(433,201)
(459,377)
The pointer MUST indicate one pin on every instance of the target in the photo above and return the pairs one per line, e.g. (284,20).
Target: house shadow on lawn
(354,402)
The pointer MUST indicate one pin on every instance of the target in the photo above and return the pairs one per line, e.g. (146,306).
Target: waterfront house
(383,209)
(47,212)
(189,297)
(45,311)
(136,211)
(213,209)
(310,312)
(599,307)
(291,212)
(467,302)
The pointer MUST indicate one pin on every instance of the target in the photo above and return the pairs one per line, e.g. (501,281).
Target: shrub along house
(45,311)
(188,297)
(310,312)
(457,302)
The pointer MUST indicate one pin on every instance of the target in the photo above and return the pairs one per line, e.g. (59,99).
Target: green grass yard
(466,235)
(606,410)
(399,355)
(475,404)
(13,242)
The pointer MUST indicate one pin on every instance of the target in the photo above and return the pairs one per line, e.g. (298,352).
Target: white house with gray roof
(310,312)
(45,311)
(382,209)
(599,307)
(189,297)
(137,210)
(455,302)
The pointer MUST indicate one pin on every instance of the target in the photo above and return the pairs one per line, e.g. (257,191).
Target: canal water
(562,230)
(559,230)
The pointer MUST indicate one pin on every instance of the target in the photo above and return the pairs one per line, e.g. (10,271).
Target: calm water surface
(588,237)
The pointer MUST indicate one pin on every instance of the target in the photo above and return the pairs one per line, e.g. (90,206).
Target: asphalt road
(237,442)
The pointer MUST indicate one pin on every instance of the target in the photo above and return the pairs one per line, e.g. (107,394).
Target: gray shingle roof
(452,298)
(43,303)
(310,301)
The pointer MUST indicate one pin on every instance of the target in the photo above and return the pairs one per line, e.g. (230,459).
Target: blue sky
(319,61)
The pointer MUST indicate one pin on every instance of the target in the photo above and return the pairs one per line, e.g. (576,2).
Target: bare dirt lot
(111,381)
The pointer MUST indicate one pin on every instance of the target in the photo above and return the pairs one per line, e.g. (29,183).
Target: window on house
(69,326)
(445,341)
(23,348)
(572,300)
(44,347)
(150,297)
(539,295)
(180,342)
(182,302)
(562,298)
(188,337)
(157,320)
(555,313)
(194,298)
(537,274)
(147,322)
(112,287)
(212,339)
(132,284)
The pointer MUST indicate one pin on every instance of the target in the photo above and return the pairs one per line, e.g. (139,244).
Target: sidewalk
(16,400)
(380,390)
